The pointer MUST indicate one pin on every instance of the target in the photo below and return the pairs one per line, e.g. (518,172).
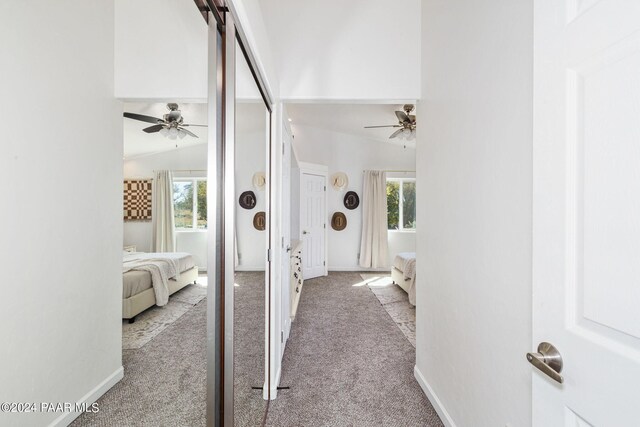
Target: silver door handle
(548,360)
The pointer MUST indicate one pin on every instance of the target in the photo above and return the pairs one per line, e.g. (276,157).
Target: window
(401,203)
(190,213)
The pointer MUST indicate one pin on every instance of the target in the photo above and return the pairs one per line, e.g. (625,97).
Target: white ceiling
(250,117)
(137,142)
(349,119)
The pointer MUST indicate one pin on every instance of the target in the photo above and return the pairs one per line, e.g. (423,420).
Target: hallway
(347,363)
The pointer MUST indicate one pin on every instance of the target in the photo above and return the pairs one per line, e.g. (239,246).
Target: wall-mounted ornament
(259,180)
(338,221)
(351,200)
(137,199)
(339,181)
(248,200)
(259,221)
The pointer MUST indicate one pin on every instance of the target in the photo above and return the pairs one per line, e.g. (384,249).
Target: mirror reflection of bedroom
(251,226)
(165,253)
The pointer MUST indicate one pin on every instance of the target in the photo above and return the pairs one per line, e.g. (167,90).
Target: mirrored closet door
(251,242)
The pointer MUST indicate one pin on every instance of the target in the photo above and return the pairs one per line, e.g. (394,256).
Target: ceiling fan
(406,123)
(170,125)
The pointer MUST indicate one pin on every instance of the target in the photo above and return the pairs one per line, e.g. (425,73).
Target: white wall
(351,154)
(251,155)
(61,165)
(139,233)
(336,49)
(474,210)
(160,50)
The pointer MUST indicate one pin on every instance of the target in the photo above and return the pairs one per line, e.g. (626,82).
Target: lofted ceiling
(250,117)
(137,142)
(350,119)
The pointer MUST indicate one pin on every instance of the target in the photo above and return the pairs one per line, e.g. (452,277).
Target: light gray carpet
(156,319)
(248,404)
(347,363)
(165,380)
(395,301)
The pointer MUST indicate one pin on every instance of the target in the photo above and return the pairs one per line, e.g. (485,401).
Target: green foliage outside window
(393,205)
(401,204)
(183,204)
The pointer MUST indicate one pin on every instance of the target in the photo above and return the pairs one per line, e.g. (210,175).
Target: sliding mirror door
(251,240)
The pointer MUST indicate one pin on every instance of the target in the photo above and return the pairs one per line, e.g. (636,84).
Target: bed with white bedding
(403,273)
(149,278)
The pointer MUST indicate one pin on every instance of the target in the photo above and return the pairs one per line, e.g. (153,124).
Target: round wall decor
(339,181)
(351,200)
(248,200)
(259,180)
(259,221)
(338,221)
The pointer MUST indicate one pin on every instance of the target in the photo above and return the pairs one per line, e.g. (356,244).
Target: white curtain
(163,221)
(374,245)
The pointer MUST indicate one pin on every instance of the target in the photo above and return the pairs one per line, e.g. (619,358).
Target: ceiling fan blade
(188,132)
(190,124)
(402,116)
(396,133)
(152,129)
(412,117)
(142,118)
(385,126)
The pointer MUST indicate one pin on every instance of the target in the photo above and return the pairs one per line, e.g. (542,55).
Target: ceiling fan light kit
(406,124)
(171,125)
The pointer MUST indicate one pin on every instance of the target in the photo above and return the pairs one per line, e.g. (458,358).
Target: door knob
(548,360)
(305,232)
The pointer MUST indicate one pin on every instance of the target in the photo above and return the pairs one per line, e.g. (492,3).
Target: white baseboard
(437,404)
(89,398)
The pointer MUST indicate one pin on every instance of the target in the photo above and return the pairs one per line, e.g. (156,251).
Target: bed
(149,278)
(403,273)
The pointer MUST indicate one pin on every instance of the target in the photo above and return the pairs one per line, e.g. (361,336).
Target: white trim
(333,100)
(274,388)
(89,398)
(312,167)
(431,395)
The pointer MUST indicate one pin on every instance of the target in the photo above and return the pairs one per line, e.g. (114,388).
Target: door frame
(224,30)
(320,170)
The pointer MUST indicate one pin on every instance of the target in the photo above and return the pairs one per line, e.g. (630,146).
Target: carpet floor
(347,362)
(395,301)
(165,379)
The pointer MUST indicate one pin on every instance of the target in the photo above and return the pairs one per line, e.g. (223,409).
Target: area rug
(151,322)
(395,301)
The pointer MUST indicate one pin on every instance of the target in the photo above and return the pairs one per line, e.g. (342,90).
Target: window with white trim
(401,204)
(190,203)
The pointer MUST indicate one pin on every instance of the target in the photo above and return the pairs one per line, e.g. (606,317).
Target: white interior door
(312,224)
(586,210)
(285,215)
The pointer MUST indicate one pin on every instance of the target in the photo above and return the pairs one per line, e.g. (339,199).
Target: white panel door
(312,224)
(285,220)
(586,210)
